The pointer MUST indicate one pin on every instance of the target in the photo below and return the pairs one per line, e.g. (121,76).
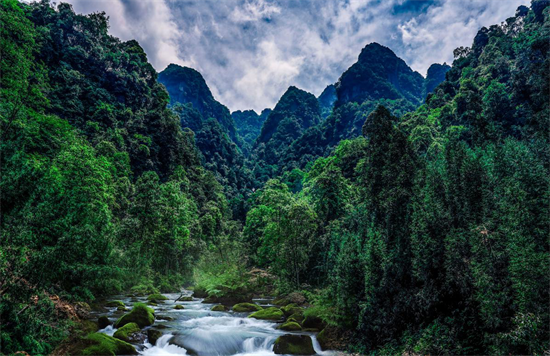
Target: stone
(290,344)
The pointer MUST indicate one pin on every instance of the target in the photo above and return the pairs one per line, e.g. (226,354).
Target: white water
(196,330)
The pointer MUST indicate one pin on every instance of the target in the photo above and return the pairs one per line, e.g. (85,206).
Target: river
(195,330)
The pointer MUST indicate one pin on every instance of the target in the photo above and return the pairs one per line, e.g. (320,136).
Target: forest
(402,214)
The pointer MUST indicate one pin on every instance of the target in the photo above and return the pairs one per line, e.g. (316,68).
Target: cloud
(254,11)
(251,51)
(148,21)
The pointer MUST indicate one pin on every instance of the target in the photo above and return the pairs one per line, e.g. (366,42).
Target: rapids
(196,330)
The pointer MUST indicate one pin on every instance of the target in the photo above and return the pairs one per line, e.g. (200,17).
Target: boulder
(152,303)
(272,313)
(140,314)
(102,344)
(185,299)
(289,344)
(153,335)
(103,322)
(156,297)
(210,299)
(82,309)
(281,302)
(124,333)
(292,309)
(165,317)
(313,323)
(218,307)
(88,326)
(290,326)
(178,306)
(115,303)
(121,308)
(200,292)
(296,317)
(246,307)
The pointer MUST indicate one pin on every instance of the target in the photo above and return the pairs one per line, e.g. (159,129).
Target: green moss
(296,317)
(151,303)
(281,302)
(89,326)
(124,332)
(178,306)
(153,335)
(140,314)
(246,307)
(218,307)
(293,345)
(185,299)
(292,309)
(290,326)
(268,314)
(115,303)
(156,297)
(143,289)
(108,345)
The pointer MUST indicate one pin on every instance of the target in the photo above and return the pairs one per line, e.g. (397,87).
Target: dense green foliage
(101,189)
(249,124)
(415,226)
(432,230)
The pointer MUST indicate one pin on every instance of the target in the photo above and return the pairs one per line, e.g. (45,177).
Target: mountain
(296,111)
(379,74)
(327,99)
(187,86)
(215,132)
(435,75)
(378,77)
(249,123)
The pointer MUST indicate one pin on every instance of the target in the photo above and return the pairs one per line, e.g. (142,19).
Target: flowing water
(196,330)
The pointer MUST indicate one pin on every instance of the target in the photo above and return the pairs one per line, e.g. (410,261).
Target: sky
(251,51)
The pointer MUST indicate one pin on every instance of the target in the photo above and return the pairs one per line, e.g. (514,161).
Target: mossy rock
(185,299)
(89,326)
(124,332)
(103,322)
(156,297)
(291,309)
(107,345)
(115,303)
(140,314)
(281,302)
(210,299)
(142,290)
(296,317)
(322,338)
(219,308)
(152,303)
(153,335)
(165,317)
(271,313)
(313,323)
(200,292)
(178,307)
(290,326)
(121,308)
(289,344)
(246,307)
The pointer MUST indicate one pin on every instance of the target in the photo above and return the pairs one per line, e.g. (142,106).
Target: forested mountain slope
(379,77)
(249,124)
(215,133)
(295,112)
(429,233)
(101,189)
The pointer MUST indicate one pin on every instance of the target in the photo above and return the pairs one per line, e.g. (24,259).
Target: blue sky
(251,51)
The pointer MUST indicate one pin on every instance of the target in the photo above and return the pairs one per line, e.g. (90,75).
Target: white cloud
(254,10)
(150,22)
(251,51)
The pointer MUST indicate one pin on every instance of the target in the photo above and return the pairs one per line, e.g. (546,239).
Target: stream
(195,330)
